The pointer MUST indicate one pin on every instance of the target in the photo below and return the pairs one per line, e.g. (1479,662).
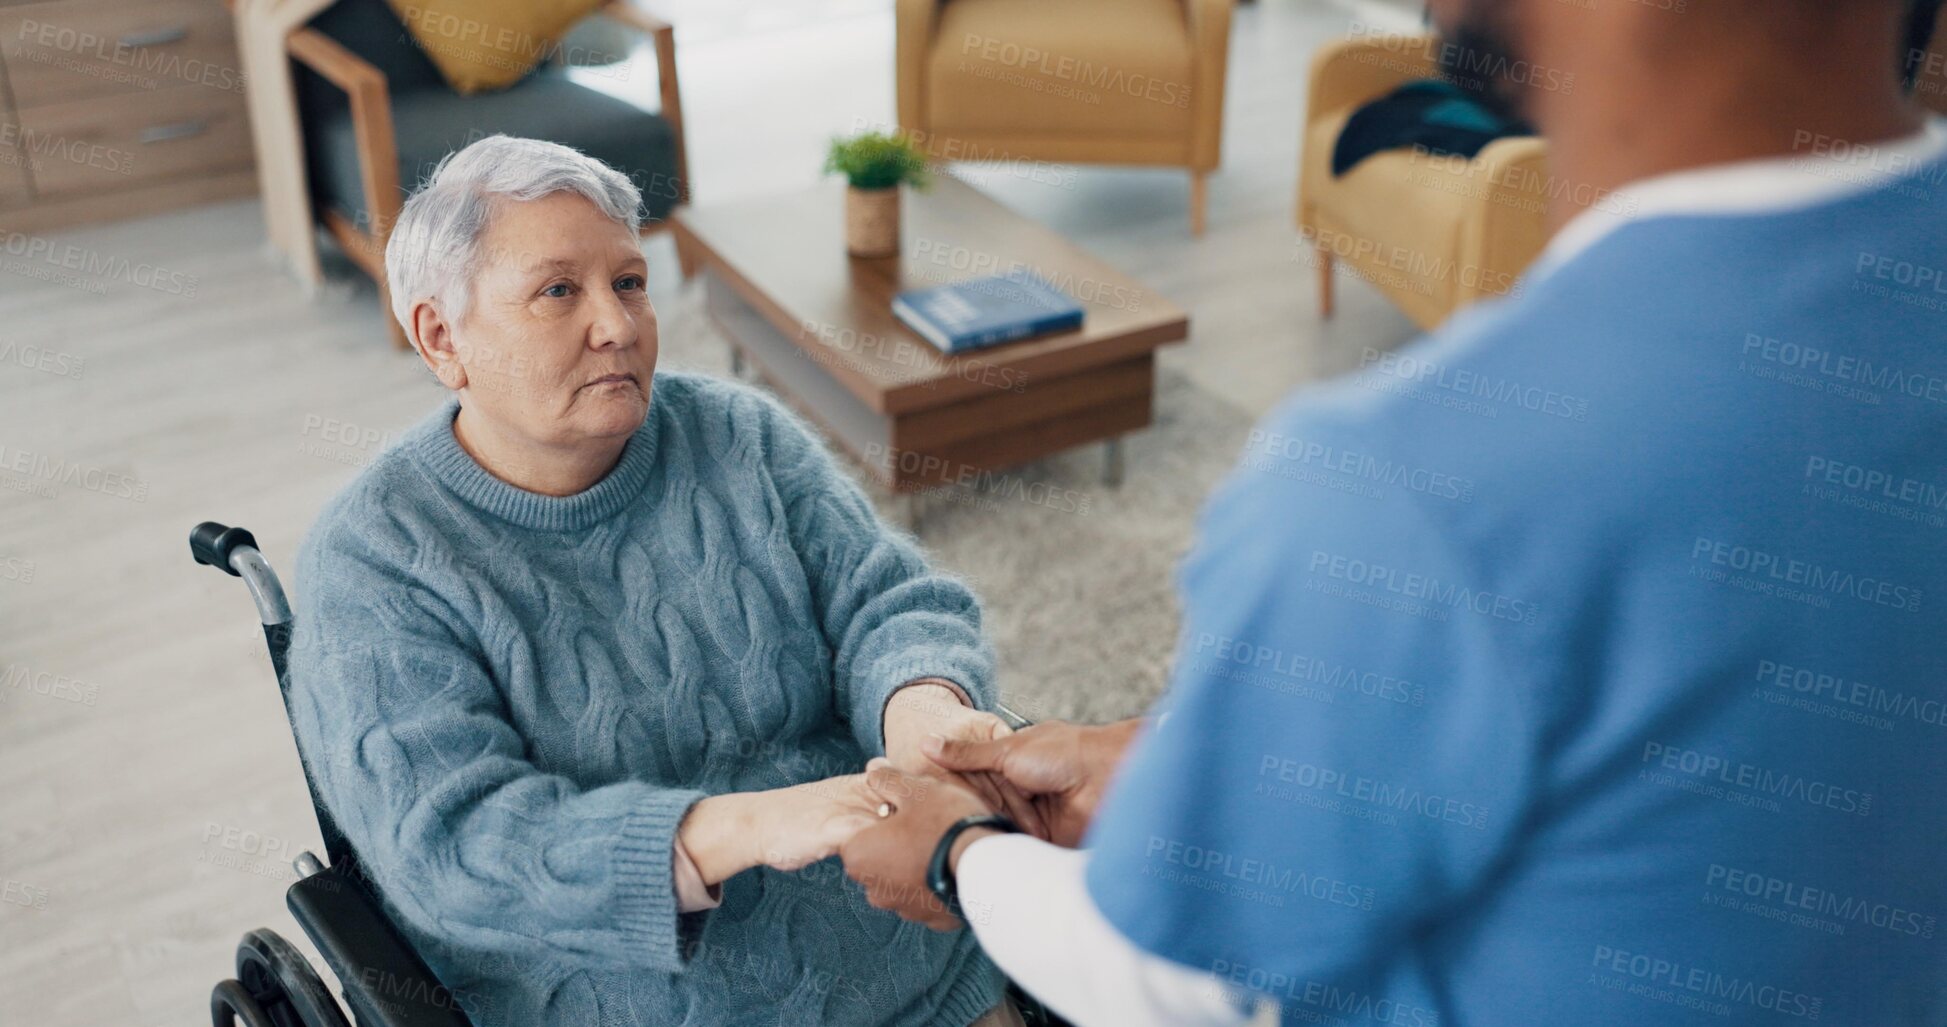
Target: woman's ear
(432,336)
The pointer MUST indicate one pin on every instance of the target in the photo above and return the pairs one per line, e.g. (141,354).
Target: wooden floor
(150,799)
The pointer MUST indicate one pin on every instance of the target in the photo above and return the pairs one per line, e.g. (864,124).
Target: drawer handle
(179,130)
(155,37)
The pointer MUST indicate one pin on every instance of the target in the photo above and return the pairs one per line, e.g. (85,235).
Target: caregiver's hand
(783,828)
(889,858)
(927,712)
(1059,769)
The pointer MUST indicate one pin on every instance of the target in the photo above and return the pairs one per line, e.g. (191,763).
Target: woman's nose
(615,325)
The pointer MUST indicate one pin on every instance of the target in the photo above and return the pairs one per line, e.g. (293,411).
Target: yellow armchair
(1082,81)
(1432,233)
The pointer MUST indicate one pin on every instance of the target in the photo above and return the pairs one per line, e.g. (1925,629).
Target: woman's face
(558,344)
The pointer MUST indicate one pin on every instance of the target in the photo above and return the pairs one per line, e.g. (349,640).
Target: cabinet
(118,108)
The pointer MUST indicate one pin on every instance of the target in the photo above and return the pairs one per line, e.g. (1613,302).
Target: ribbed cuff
(976,993)
(645,878)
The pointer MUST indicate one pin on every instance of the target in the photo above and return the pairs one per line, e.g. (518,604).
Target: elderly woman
(595,654)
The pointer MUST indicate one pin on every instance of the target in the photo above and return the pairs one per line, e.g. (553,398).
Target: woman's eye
(557,290)
(629,282)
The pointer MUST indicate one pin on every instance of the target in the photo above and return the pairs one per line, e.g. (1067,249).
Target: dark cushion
(369,29)
(431,123)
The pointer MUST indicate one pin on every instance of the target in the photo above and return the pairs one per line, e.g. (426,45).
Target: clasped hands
(792,827)
(944,761)
(1047,778)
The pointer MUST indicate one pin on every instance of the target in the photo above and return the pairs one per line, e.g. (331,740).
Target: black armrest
(386,983)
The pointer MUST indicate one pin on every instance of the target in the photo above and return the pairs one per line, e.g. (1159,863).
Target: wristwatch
(939,871)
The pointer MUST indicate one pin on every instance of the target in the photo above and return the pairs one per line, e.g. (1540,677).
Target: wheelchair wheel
(229,1003)
(275,977)
(1033,1013)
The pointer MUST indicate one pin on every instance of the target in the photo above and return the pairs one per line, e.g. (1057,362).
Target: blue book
(986,311)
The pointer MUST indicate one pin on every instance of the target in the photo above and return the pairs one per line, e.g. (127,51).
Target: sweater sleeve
(413,752)
(888,618)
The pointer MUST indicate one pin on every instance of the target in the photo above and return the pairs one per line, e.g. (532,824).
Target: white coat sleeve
(1029,906)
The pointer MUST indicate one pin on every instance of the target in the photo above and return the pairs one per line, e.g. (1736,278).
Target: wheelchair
(385,983)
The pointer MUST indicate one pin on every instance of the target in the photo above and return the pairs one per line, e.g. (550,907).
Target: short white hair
(434,251)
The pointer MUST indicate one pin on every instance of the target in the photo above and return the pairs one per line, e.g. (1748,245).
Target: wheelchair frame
(384,981)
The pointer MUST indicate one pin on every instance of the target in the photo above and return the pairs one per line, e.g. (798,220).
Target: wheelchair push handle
(1013,720)
(234,552)
(212,544)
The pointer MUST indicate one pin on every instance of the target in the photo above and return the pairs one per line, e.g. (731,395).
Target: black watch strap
(939,871)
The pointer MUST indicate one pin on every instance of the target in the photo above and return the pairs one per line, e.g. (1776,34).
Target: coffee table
(817,326)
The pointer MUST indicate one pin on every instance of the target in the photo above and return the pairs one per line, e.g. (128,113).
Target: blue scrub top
(1584,663)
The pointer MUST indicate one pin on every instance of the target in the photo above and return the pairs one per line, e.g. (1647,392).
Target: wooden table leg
(1324,283)
(1199,201)
(1112,462)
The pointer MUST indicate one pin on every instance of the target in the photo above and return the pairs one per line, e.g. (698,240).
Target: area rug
(1077,577)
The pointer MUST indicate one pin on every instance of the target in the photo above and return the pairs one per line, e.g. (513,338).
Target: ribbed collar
(1766,185)
(431,444)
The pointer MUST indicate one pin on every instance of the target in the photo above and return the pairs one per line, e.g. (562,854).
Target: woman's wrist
(917,709)
(719,834)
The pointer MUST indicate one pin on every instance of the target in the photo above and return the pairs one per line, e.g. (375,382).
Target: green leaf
(877,160)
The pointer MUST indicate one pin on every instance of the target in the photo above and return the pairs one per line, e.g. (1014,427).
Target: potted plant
(874,164)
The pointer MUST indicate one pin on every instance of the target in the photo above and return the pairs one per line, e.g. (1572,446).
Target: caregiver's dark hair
(1921,20)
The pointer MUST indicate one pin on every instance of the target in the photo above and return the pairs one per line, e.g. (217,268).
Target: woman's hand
(925,709)
(928,708)
(783,828)
(802,824)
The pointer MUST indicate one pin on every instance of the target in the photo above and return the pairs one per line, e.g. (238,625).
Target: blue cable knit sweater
(510,700)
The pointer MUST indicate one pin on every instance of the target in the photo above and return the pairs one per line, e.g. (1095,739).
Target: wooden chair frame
(378,149)
(1499,230)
